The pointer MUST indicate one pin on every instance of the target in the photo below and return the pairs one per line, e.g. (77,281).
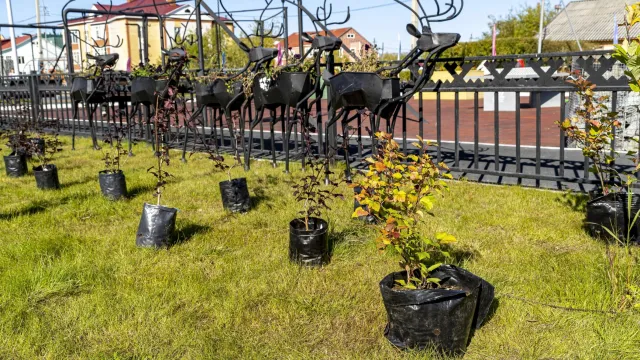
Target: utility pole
(39,35)
(541,26)
(12,34)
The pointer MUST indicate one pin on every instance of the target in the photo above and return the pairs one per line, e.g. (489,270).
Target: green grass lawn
(74,285)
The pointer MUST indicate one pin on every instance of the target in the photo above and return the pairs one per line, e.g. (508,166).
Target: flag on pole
(615,30)
(493,42)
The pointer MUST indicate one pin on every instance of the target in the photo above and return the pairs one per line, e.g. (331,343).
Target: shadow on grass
(30,209)
(86,180)
(186,232)
(259,198)
(134,191)
(574,201)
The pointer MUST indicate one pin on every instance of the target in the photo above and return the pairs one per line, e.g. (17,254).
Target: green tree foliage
(235,57)
(523,22)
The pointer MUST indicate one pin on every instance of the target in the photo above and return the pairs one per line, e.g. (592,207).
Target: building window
(20,59)
(353,50)
(74,38)
(76,57)
(351,36)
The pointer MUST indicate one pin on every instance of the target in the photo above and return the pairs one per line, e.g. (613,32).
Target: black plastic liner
(15,165)
(235,195)
(607,211)
(113,185)
(47,177)
(369,219)
(439,318)
(309,248)
(143,91)
(157,225)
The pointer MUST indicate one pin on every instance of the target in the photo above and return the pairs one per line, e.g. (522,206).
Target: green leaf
(422,255)
(426,202)
(397,176)
(433,267)
(433,280)
(445,238)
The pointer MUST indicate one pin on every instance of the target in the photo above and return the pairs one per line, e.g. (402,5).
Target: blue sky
(382,22)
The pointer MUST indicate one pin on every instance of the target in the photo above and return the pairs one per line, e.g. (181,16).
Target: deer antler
(438,16)
(104,38)
(236,22)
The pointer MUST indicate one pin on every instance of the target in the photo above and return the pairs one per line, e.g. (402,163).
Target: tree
(523,22)
(235,57)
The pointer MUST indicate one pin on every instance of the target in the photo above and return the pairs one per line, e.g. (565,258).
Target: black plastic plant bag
(15,165)
(607,211)
(309,247)
(113,185)
(46,177)
(235,195)
(156,227)
(440,318)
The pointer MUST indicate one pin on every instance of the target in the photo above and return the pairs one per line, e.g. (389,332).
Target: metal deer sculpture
(299,87)
(382,96)
(216,94)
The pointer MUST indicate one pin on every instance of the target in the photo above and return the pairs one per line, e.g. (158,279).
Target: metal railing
(495,126)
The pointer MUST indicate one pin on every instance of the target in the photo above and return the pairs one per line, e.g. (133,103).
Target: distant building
(51,49)
(592,20)
(349,36)
(91,29)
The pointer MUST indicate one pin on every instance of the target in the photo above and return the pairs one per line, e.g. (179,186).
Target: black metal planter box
(268,93)
(46,177)
(440,318)
(361,90)
(143,91)
(309,247)
(216,94)
(85,90)
(15,165)
(294,86)
(113,185)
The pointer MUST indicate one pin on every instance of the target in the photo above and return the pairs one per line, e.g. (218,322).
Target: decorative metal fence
(496,126)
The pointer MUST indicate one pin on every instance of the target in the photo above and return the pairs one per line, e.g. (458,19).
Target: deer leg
(247,153)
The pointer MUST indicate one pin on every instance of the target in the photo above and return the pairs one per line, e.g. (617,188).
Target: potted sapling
(112,181)
(158,222)
(234,192)
(428,304)
(45,172)
(17,141)
(593,130)
(308,234)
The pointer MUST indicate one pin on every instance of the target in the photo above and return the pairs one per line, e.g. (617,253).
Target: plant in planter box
(20,146)
(593,130)
(143,83)
(112,181)
(45,172)
(308,235)
(428,304)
